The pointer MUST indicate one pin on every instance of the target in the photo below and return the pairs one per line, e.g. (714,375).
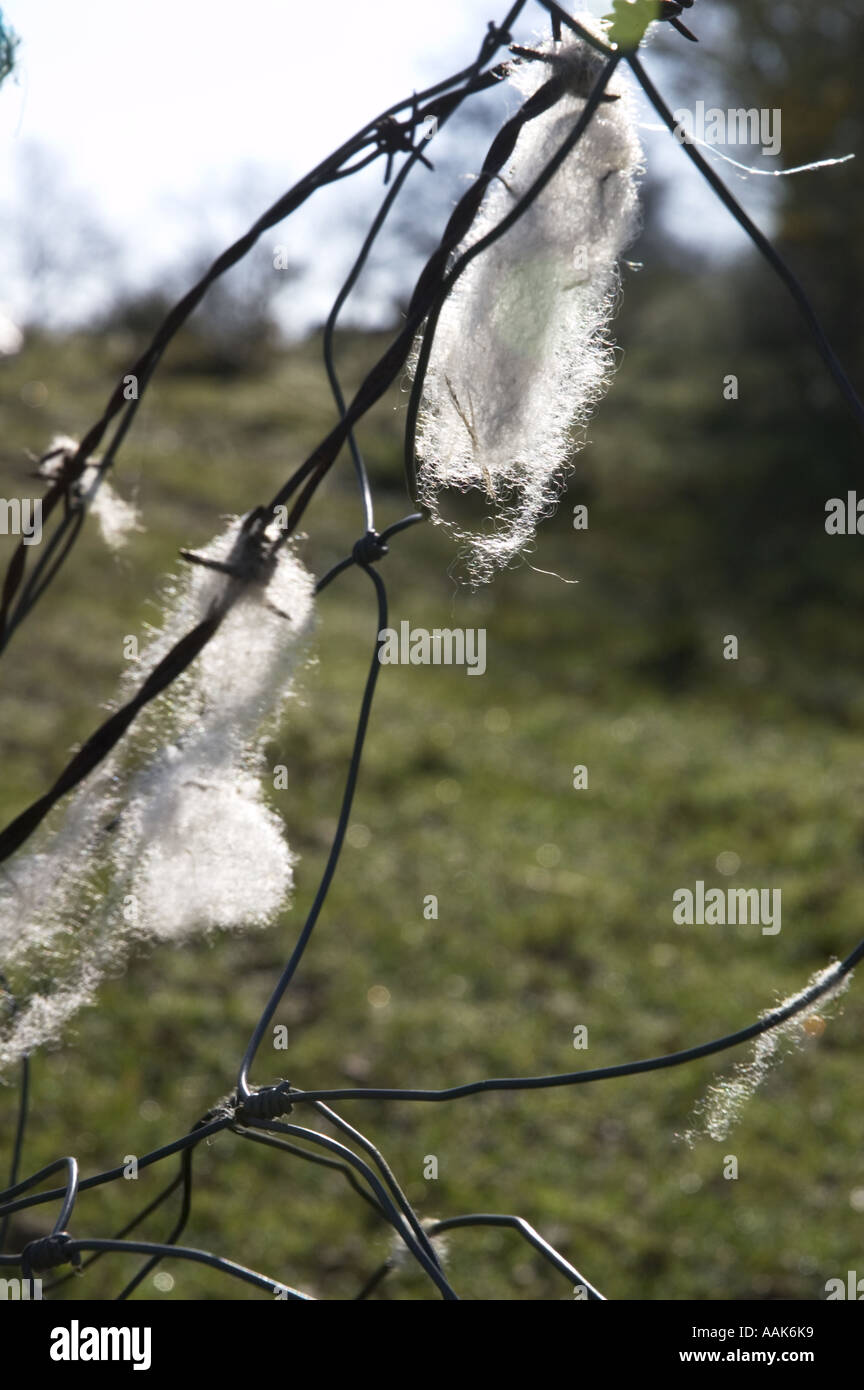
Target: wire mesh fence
(577,69)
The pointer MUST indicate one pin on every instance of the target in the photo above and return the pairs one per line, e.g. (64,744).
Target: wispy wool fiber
(521,352)
(116,517)
(171,835)
(724,1104)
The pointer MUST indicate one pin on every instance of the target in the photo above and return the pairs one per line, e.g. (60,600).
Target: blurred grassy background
(555,905)
(706,518)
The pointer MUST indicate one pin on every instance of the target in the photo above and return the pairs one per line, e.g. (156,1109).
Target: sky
(178,122)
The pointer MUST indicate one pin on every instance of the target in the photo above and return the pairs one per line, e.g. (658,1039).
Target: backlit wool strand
(521,352)
(171,836)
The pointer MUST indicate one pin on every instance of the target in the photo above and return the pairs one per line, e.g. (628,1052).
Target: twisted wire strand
(438,104)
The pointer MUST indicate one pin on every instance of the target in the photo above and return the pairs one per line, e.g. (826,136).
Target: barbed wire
(253,1113)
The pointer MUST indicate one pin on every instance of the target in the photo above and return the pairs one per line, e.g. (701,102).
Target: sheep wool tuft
(521,351)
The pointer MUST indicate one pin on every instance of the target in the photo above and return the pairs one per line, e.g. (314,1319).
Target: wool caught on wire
(116,517)
(203,848)
(722,1107)
(521,352)
(171,836)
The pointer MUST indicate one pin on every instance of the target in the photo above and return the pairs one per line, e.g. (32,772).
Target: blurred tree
(56,247)
(238,325)
(806,60)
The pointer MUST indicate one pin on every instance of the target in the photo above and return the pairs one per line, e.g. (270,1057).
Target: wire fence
(258,1114)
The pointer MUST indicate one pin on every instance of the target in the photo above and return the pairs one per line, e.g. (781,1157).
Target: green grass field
(555,905)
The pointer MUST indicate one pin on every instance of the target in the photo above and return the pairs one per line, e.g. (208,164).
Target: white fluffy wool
(520,353)
(205,850)
(171,835)
(116,517)
(211,853)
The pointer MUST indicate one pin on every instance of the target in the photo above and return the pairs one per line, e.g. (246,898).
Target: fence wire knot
(48,1252)
(266,1104)
(368,549)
